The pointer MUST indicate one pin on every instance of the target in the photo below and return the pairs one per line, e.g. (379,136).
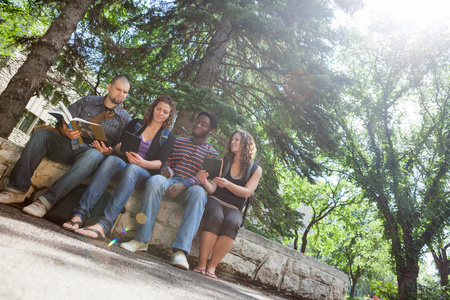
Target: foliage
(433,291)
(386,290)
(401,165)
(22,22)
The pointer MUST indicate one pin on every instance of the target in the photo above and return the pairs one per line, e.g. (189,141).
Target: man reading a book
(178,180)
(62,145)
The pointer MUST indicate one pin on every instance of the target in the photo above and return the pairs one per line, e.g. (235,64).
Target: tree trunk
(28,78)
(354,278)
(407,280)
(305,239)
(206,74)
(353,288)
(442,264)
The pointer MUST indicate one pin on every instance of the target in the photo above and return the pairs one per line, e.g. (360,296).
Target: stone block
(125,221)
(47,173)
(3,169)
(133,204)
(323,277)
(290,283)
(338,289)
(249,250)
(271,270)
(299,268)
(236,265)
(312,290)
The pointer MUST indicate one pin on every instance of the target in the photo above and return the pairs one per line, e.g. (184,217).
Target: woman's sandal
(72,223)
(210,274)
(99,236)
(198,270)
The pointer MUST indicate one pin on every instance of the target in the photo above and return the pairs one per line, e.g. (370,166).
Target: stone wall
(252,258)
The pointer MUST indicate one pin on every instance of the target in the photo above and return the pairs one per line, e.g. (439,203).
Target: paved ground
(39,260)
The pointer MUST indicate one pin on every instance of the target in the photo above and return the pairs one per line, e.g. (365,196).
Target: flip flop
(72,224)
(198,270)
(99,236)
(210,274)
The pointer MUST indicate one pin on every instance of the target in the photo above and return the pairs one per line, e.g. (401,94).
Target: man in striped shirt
(178,179)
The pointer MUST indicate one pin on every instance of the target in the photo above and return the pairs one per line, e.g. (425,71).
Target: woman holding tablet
(227,197)
(130,168)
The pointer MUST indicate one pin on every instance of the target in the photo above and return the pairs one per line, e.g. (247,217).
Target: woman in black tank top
(227,195)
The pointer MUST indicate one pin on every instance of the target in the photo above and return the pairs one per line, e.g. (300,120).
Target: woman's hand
(135,158)
(117,148)
(221,182)
(202,175)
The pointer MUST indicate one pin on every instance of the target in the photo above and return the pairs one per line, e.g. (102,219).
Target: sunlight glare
(413,14)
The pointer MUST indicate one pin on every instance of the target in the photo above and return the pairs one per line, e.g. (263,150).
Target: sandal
(99,236)
(210,274)
(198,270)
(72,223)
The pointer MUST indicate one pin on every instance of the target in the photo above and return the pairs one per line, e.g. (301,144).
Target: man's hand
(166,172)
(175,189)
(100,146)
(66,131)
(202,175)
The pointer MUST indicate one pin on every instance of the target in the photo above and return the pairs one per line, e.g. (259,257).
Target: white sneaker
(7,197)
(37,209)
(134,246)
(179,260)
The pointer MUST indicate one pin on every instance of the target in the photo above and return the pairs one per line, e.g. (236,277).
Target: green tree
(395,122)
(322,198)
(351,239)
(42,54)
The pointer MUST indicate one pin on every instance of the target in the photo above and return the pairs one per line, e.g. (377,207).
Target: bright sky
(410,13)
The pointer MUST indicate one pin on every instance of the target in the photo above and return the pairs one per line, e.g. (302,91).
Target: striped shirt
(187,158)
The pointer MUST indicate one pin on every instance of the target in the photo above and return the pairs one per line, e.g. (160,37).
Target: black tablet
(130,143)
(212,166)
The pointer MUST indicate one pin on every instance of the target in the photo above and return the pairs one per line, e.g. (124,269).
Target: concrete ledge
(252,258)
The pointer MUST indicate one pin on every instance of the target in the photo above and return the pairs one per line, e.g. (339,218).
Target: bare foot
(73,224)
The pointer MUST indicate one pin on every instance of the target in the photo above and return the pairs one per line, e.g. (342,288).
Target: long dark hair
(149,113)
(248,150)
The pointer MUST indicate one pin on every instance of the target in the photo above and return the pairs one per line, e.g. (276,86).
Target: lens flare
(126,229)
(112,242)
(141,218)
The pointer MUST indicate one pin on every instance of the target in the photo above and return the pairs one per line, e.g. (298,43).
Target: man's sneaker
(37,209)
(7,197)
(179,260)
(134,246)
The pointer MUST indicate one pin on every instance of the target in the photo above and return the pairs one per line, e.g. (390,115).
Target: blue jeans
(194,200)
(129,176)
(42,143)
(87,161)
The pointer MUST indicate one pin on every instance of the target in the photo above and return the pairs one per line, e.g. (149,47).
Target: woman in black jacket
(131,168)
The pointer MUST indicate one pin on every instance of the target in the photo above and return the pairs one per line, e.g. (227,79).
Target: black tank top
(226,196)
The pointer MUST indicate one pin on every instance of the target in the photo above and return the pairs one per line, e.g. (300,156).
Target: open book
(89,131)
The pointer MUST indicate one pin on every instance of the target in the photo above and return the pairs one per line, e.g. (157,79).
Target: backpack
(62,211)
(250,170)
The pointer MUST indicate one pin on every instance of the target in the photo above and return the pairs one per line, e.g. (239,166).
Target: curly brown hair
(248,150)
(148,116)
